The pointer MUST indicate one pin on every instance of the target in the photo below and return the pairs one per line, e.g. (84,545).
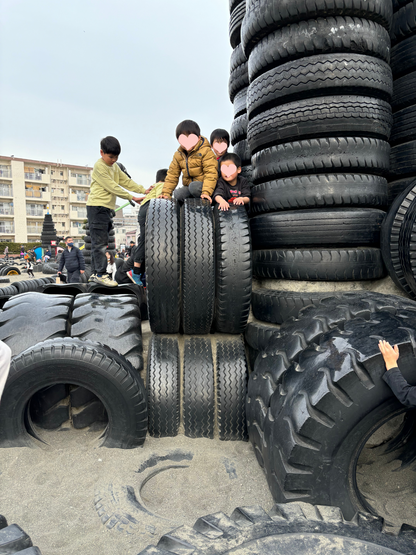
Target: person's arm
(81,261)
(129,184)
(61,262)
(210,171)
(172,179)
(103,177)
(222,204)
(404,392)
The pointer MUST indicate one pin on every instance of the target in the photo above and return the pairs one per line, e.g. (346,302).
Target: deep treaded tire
(30,318)
(163,266)
(198,266)
(198,388)
(322,36)
(403,57)
(257,335)
(327,116)
(238,73)
(329,227)
(239,103)
(319,191)
(242,150)
(398,244)
(233,270)
(404,126)
(65,360)
(404,23)
(238,131)
(236,19)
(319,264)
(403,159)
(397,187)
(404,92)
(263,17)
(14,540)
(334,399)
(232,376)
(162,383)
(113,320)
(291,528)
(320,75)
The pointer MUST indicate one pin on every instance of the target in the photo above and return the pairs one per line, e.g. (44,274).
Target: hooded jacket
(200,164)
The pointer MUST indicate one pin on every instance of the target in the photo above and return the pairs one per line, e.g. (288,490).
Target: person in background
(6,253)
(22,251)
(220,143)
(132,243)
(73,260)
(5,358)
(111,265)
(47,255)
(135,274)
(29,268)
(404,392)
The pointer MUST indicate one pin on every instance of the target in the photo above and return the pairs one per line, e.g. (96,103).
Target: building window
(6,208)
(6,227)
(5,171)
(34,209)
(6,190)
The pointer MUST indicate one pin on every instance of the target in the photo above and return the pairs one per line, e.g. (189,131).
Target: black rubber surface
(324,264)
(163,266)
(403,57)
(198,388)
(319,191)
(404,91)
(232,376)
(403,160)
(329,227)
(233,270)
(163,386)
(65,360)
(72,289)
(14,540)
(257,335)
(332,154)
(113,320)
(239,103)
(48,407)
(198,266)
(397,187)
(238,131)
(404,125)
(404,23)
(238,73)
(236,19)
(242,150)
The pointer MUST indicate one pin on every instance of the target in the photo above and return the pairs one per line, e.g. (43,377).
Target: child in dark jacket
(405,392)
(220,143)
(231,187)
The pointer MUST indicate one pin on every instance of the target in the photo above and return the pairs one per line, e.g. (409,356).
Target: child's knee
(195,188)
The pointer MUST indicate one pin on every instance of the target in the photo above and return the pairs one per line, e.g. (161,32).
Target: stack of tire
(87,247)
(403,65)
(237,87)
(198,269)
(48,233)
(70,367)
(9,269)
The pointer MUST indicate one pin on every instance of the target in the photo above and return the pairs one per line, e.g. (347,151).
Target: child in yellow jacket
(197,163)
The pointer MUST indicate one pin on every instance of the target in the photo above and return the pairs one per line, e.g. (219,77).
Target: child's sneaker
(135,278)
(105,280)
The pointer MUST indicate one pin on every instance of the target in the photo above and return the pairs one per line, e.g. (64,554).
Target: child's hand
(164,196)
(207,197)
(137,200)
(390,354)
(223,204)
(238,201)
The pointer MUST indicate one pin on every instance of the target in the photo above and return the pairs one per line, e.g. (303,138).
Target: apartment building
(31,188)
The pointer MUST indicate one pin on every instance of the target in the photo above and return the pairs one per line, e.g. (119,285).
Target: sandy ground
(75,497)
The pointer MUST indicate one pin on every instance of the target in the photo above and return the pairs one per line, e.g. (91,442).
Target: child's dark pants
(100,223)
(139,255)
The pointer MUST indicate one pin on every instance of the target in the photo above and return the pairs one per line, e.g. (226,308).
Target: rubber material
(238,72)
(162,383)
(323,264)
(404,92)
(239,103)
(403,57)
(404,126)
(72,289)
(238,131)
(404,23)
(236,19)
(403,160)
(64,360)
(233,270)
(395,188)
(257,335)
(242,149)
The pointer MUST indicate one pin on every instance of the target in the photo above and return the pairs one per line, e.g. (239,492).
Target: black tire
(236,19)
(397,240)
(163,386)
(233,270)
(198,266)
(403,160)
(238,131)
(21,313)
(49,269)
(107,374)
(319,191)
(15,540)
(4,280)
(348,154)
(291,528)
(8,291)
(319,264)
(404,23)
(397,187)
(63,289)
(320,75)
(119,324)
(285,346)
(247,172)
(86,409)
(257,336)
(328,116)
(163,266)
(404,92)
(238,73)
(122,289)
(198,388)
(11,271)
(262,18)
(403,57)
(232,376)
(404,126)
(48,407)
(239,103)
(242,150)
(329,227)
(335,399)
(28,285)
(323,36)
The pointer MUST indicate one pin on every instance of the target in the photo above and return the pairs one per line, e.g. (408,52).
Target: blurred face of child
(188,142)
(108,256)
(219,147)
(109,159)
(229,172)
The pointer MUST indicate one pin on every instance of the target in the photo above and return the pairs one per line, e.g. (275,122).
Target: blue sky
(73,72)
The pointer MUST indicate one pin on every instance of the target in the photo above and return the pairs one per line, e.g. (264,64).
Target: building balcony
(74,215)
(38,177)
(6,228)
(33,230)
(7,173)
(8,212)
(38,195)
(78,199)
(6,192)
(36,213)
(79,181)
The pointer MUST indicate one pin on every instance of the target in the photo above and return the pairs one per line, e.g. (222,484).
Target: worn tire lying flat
(22,313)
(163,266)
(319,191)
(198,266)
(322,264)
(163,386)
(232,376)
(65,360)
(289,529)
(198,388)
(113,320)
(329,227)
(233,270)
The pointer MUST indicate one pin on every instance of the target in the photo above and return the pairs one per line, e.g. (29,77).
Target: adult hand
(390,354)
(59,272)
(149,189)
(137,200)
(82,271)
(207,197)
